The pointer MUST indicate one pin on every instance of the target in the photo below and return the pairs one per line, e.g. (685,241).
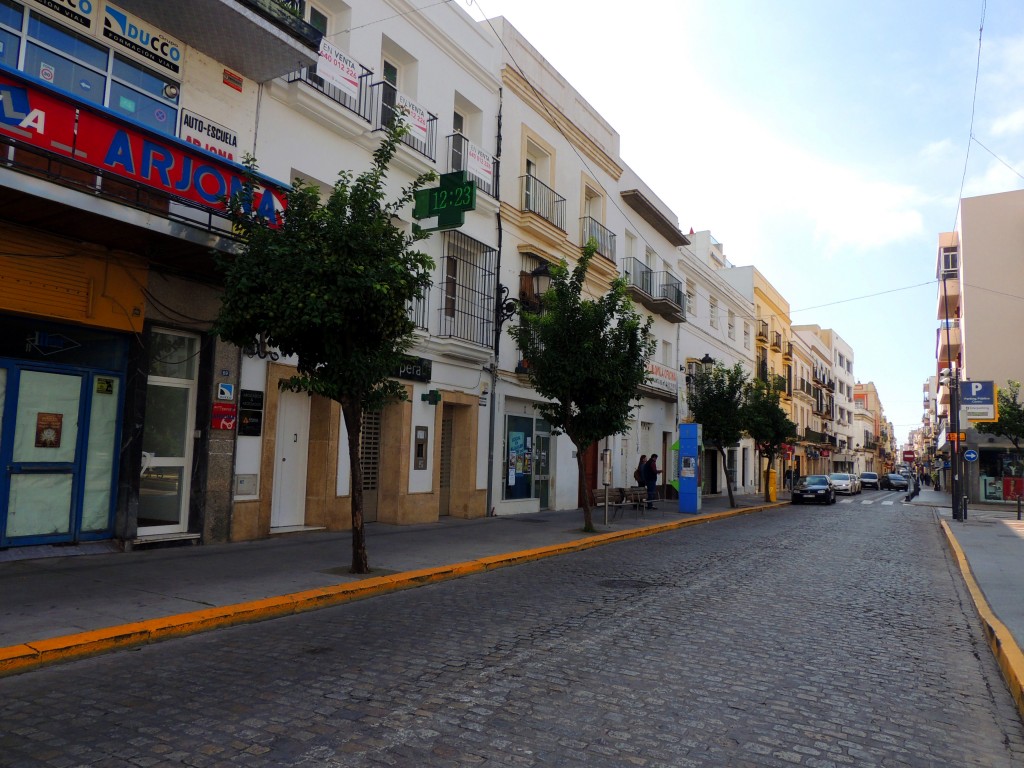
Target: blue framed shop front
(61,405)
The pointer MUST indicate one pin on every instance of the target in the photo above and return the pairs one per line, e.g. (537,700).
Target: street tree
(1010,423)
(587,357)
(716,396)
(767,423)
(331,285)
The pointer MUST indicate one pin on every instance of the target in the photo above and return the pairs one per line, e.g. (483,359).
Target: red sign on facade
(97,138)
(224,416)
(909,457)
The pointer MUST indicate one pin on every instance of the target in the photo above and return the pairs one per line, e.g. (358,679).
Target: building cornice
(519,85)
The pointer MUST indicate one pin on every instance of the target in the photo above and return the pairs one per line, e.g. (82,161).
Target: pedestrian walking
(650,475)
(787,481)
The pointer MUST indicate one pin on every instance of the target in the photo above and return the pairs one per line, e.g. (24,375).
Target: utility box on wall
(420,446)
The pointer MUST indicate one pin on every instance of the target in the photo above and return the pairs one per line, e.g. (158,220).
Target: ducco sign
(141,39)
(78,11)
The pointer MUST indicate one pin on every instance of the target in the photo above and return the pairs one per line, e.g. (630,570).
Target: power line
(997,157)
(974,102)
(388,18)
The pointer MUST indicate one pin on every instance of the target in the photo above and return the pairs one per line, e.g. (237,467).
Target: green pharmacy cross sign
(448,202)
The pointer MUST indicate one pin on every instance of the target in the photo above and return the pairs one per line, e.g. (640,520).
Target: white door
(289,499)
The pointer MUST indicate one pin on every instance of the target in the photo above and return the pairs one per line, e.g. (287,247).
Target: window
(746,335)
(318,20)
(713,307)
(950,260)
(732,324)
(691,300)
(468,289)
(86,69)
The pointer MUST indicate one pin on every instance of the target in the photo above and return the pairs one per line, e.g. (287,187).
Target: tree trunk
(353,413)
(728,483)
(769,463)
(588,521)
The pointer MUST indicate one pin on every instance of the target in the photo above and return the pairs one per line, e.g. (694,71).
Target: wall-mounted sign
(251,399)
(141,39)
(80,12)
(33,115)
(48,429)
(480,164)
(211,136)
(224,416)
(250,423)
(104,386)
(225,391)
(416,117)
(338,69)
(662,377)
(449,201)
(415,369)
(233,80)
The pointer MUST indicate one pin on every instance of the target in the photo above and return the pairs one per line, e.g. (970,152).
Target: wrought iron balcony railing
(605,238)
(480,166)
(537,197)
(387,104)
(638,275)
(360,105)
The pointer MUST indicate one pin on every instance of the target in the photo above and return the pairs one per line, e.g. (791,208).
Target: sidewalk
(59,607)
(989,548)
(62,602)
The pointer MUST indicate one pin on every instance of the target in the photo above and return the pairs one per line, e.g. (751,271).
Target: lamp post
(954,406)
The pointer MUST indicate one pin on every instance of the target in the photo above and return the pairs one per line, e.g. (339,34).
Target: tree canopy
(767,423)
(1010,423)
(332,285)
(587,357)
(716,397)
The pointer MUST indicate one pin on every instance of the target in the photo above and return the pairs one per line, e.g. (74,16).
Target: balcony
(660,292)
(777,342)
(387,104)
(481,167)
(259,39)
(948,305)
(762,333)
(605,238)
(536,197)
(359,105)
(669,299)
(787,351)
(813,436)
(947,340)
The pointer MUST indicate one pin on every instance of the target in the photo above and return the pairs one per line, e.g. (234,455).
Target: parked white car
(843,482)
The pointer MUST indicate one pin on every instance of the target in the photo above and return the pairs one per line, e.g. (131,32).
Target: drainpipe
(493,415)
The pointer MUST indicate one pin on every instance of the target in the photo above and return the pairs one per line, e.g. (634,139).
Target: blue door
(59,433)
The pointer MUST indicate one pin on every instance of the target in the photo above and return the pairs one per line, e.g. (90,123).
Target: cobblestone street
(812,636)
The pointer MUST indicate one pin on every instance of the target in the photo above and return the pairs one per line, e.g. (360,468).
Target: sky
(824,142)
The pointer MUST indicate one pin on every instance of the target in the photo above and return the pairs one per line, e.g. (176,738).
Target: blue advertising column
(691,445)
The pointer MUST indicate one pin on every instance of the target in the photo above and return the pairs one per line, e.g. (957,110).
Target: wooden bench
(616,498)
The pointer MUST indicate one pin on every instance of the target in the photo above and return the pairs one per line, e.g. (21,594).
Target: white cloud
(938,150)
(1010,124)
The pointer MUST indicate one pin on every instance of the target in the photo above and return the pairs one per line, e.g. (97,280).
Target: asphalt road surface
(810,636)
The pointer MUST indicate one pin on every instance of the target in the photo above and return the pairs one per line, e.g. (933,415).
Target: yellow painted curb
(21,658)
(1000,640)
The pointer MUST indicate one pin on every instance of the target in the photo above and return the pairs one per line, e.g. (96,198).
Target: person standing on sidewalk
(651,473)
(638,473)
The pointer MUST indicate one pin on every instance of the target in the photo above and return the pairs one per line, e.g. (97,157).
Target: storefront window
(518,463)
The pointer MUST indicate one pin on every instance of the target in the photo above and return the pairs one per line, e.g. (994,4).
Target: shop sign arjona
(91,136)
